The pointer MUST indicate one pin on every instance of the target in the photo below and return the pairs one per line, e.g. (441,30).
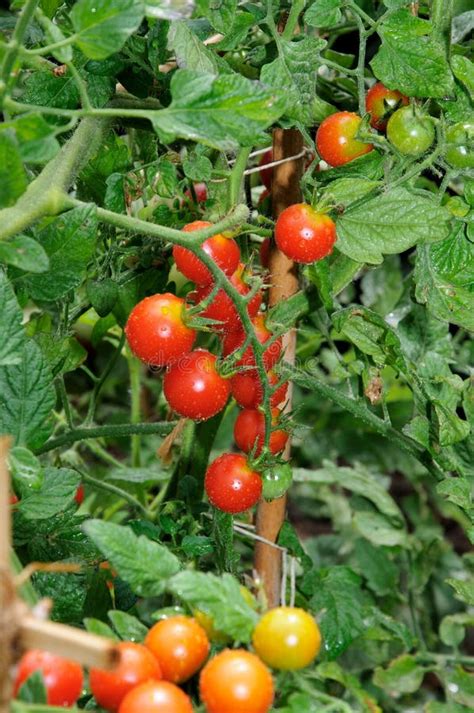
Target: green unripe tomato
(277,481)
(460,145)
(412,134)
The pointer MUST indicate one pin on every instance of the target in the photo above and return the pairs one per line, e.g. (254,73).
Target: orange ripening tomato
(381,102)
(236,681)
(335,139)
(137,665)
(181,646)
(287,638)
(156,697)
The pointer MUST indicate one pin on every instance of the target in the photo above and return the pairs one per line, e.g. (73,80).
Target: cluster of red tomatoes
(148,676)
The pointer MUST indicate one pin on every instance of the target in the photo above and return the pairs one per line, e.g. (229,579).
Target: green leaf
(103,295)
(457,491)
(388,224)
(128,627)
(336,593)
(460,684)
(344,191)
(333,672)
(27,398)
(190,51)
(288,311)
(464,589)
(197,168)
(221,112)
(56,493)
(410,59)
(24,253)
(197,546)
(404,675)
(143,564)
(220,598)
(151,474)
(451,427)
(295,70)
(26,471)
(358,479)
(13,181)
(463,70)
(221,14)
(102,28)
(46,89)
(13,335)
(376,566)
(168,9)
(33,690)
(444,274)
(379,530)
(452,629)
(95,626)
(323,13)
(69,242)
(36,140)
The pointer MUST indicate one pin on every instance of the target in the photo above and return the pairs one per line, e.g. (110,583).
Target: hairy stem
(14,45)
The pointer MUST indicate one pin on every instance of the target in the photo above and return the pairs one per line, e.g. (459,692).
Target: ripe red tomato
(136,666)
(181,646)
(79,496)
(335,139)
(249,429)
(266,174)
(234,340)
(381,102)
(156,330)
(287,638)
(231,484)
(63,679)
(200,191)
(194,388)
(223,251)
(248,392)
(156,697)
(304,235)
(236,681)
(222,308)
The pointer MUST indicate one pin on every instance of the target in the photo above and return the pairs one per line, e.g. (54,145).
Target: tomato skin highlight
(335,140)
(380,102)
(222,308)
(63,678)
(231,485)
(287,638)
(304,235)
(236,681)
(460,145)
(137,665)
(156,331)
(248,392)
(193,387)
(249,430)
(156,697)
(223,251)
(234,340)
(410,133)
(180,645)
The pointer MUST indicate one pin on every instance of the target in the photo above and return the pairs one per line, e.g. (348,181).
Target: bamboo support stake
(283,283)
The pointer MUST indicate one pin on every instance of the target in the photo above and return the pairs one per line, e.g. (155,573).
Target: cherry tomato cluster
(148,677)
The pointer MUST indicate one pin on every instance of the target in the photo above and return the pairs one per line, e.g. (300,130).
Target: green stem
(108,487)
(121,430)
(65,401)
(296,8)
(49,49)
(81,86)
(361,65)
(45,195)
(236,176)
(441,18)
(134,370)
(427,658)
(14,45)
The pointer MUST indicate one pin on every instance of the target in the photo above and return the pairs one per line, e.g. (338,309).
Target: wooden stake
(283,283)
(67,641)
(7,589)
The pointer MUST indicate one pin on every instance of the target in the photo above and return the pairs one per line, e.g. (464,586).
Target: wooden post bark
(283,283)
(7,590)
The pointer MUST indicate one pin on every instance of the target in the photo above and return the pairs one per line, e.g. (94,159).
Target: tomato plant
(63,679)
(259,377)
